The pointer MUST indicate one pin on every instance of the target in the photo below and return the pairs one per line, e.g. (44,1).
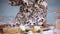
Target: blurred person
(12,22)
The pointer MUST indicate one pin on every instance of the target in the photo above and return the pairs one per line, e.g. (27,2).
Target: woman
(31,11)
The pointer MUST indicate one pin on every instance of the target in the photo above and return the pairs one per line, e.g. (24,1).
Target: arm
(44,7)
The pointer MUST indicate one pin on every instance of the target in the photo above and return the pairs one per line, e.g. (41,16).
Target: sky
(10,11)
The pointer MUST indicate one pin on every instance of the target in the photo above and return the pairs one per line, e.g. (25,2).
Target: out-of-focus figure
(57,26)
(1,20)
(2,24)
(12,22)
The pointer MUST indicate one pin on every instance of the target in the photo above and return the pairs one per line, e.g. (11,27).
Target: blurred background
(7,11)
